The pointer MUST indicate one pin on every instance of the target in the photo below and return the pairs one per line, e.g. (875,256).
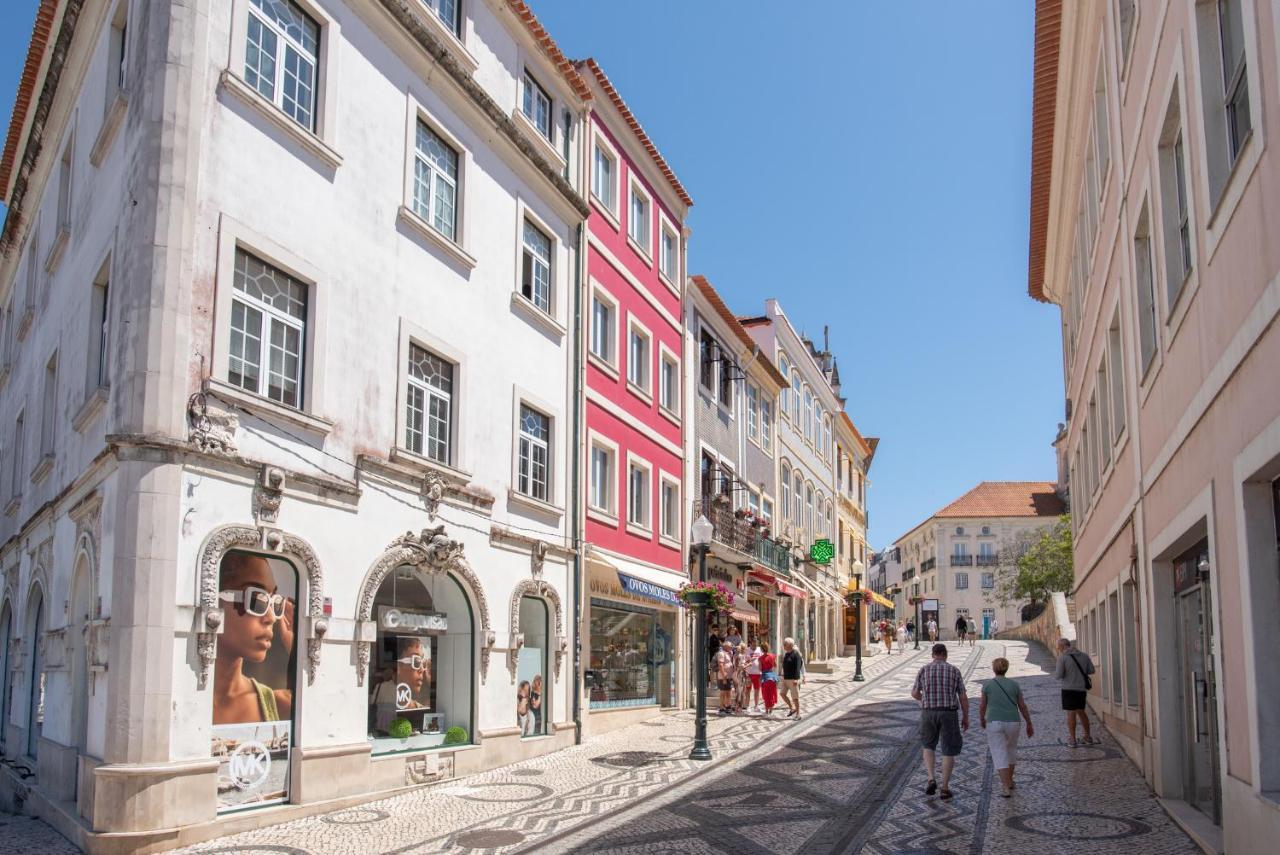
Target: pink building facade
(635,509)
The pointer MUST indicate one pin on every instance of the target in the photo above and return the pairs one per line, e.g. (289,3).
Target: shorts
(724,685)
(1002,739)
(1073,700)
(755,681)
(940,730)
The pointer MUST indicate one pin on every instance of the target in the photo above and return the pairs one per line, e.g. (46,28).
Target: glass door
(1198,683)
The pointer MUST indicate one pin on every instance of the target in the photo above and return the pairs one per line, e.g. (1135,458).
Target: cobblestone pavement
(847,778)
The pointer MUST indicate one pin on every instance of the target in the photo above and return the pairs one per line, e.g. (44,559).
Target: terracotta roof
(1007,499)
(25,99)
(594,67)
(550,48)
(717,302)
(1043,107)
(867,448)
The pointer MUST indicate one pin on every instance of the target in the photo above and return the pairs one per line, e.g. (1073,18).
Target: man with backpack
(1074,668)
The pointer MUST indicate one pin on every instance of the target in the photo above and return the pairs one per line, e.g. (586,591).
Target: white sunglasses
(415,662)
(256,601)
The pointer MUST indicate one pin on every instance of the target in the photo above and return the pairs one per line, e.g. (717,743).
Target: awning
(642,588)
(634,580)
(740,609)
(763,576)
(791,590)
(879,598)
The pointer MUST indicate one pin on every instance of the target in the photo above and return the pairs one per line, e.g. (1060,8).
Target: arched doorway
(79,617)
(35,701)
(5,683)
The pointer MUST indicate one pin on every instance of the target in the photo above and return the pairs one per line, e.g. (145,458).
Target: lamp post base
(858,678)
(700,752)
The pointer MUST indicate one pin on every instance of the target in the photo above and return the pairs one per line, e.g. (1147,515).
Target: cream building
(1155,194)
(853,455)
(951,559)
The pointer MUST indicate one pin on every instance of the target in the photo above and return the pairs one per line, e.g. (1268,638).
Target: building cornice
(1048,34)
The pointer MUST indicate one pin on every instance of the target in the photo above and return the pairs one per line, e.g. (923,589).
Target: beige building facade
(1155,193)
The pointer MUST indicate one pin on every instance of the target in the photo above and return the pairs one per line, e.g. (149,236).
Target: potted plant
(710,595)
(455,736)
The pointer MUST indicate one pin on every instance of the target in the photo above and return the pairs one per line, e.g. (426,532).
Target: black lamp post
(701,540)
(856,596)
(915,595)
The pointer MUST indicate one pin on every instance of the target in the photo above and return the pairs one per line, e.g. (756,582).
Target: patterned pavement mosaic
(847,778)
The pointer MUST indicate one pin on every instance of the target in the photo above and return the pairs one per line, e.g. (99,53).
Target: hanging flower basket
(709,595)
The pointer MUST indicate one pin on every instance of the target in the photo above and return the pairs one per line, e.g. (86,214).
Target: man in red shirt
(939,688)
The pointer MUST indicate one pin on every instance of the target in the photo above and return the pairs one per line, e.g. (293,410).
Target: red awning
(740,609)
(764,576)
(791,590)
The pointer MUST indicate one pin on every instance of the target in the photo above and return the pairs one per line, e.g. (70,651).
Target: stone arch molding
(541,590)
(431,551)
(261,540)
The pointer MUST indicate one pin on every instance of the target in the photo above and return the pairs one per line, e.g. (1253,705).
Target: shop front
(793,604)
(630,657)
(762,595)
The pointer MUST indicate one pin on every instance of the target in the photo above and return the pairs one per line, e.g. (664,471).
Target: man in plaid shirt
(939,688)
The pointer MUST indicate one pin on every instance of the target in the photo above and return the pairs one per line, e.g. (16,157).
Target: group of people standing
(887,633)
(1002,712)
(747,675)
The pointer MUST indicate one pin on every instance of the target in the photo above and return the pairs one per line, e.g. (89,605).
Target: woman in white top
(753,673)
(902,636)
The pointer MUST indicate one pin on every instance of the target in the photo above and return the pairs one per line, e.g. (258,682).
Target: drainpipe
(575,487)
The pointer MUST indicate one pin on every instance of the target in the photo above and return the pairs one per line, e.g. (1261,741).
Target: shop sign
(648,590)
(929,606)
(720,574)
(402,622)
(791,590)
(822,551)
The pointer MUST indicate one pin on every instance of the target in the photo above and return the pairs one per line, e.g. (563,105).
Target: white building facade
(288,403)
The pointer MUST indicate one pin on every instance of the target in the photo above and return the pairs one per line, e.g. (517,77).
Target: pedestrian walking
(973,632)
(962,627)
(768,678)
(901,633)
(933,630)
(995,627)
(792,674)
(886,634)
(753,674)
(724,677)
(1074,668)
(999,711)
(939,688)
(741,681)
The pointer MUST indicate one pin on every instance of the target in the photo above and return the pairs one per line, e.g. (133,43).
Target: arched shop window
(254,679)
(533,684)
(632,653)
(423,663)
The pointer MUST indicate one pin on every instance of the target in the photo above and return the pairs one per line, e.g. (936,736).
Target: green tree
(1034,564)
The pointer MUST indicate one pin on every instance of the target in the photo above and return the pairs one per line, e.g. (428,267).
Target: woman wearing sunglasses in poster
(252,682)
(413,670)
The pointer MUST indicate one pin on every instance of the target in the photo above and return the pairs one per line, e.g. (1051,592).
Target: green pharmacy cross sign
(822,551)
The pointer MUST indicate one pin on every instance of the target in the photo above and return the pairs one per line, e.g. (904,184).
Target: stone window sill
(601,515)
(422,227)
(536,137)
(541,319)
(265,408)
(43,468)
(59,249)
(426,465)
(314,145)
(110,125)
(14,503)
(451,42)
(604,366)
(24,322)
(89,410)
(514,497)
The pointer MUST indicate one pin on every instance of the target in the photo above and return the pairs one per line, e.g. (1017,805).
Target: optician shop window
(423,663)
(632,656)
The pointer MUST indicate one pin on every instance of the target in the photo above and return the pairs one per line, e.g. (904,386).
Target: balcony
(961,560)
(988,560)
(743,537)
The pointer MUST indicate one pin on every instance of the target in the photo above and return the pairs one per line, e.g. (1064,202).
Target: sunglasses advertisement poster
(253,680)
(402,697)
(530,698)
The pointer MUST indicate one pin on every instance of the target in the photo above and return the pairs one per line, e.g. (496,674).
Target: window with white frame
(268,331)
(817,429)
(1224,86)
(988,581)
(19,456)
(49,408)
(1175,209)
(603,479)
(708,351)
(784,397)
(31,295)
(797,420)
(428,420)
(639,217)
(435,181)
(64,188)
(536,106)
(786,491)
(1115,360)
(753,412)
(6,344)
(604,176)
(533,473)
(808,509)
(1101,121)
(753,501)
(99,375)
(669,383)
(766,423)
(535,267)
(448,13)
(117,52)
(669,505)
(669,254)
(808,414)
(1127,13)
(1104,418)
(766,508)
(638,494)
(1144,282)
(281,57)
(638,356)
(962,581)
(726,380)
(797,484)
(603,327)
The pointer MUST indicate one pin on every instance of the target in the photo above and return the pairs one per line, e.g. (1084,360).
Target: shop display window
(532,683)
(632,656)
(420,694)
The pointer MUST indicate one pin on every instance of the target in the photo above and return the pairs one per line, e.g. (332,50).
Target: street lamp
(915,595)
(855,586)
(700,537)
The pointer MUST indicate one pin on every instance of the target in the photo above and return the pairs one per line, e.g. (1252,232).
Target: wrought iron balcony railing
(961,560)
(988,560)
(743,535)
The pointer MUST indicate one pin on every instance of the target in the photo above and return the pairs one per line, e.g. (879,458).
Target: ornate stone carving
(542,590)
(88,518)
(212,431)
(433,487)
(431,551)
(210,618)
(268,493)
(537,557)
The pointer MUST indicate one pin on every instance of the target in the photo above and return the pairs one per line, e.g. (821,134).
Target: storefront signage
(400,621)
(249,765)
(822,551)
(648,590)
(929,606)
(791,590)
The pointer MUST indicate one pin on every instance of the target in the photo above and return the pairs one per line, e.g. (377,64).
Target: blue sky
(868,164)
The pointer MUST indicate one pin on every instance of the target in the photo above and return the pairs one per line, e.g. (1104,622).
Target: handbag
(1004,691)
(1088,684)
